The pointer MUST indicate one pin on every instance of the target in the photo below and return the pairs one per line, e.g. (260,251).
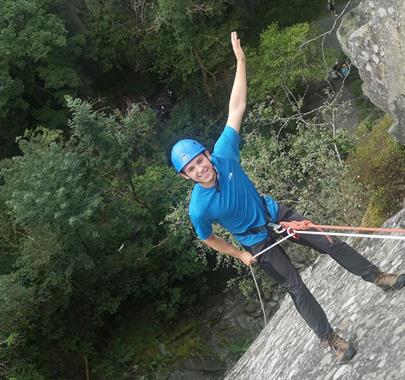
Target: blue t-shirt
(237,206)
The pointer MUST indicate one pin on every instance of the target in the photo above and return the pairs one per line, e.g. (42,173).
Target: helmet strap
(217,185)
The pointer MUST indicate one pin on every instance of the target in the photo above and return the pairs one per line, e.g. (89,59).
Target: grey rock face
(373,35)
(287,349)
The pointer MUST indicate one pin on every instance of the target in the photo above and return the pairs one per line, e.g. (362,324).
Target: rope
(253,275)
(368,229)
(348,234)
(260,297)
(291,233)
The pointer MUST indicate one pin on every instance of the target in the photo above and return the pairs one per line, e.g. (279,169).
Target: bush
(378,163)
(284,62)
(74,203)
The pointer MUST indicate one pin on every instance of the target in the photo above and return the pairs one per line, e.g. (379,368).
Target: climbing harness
(295,228)
(291,234)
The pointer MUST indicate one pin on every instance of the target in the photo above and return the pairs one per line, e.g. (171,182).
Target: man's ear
(184,175)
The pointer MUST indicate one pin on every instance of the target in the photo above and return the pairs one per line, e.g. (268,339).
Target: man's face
(200,169)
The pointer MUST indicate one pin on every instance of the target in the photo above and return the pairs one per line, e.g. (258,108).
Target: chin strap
(217,186)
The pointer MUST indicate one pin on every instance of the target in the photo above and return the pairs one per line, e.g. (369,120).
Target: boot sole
(400,282)
(351,351)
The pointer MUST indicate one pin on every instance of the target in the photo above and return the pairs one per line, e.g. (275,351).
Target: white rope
(350,235)
(260,297)
(253,275)
(276,243)
(291,234)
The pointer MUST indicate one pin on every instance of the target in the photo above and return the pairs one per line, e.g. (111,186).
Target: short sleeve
(202,225)
(227,146)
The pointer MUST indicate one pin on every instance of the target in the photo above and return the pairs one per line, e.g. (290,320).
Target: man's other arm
(237,102)
(222,246)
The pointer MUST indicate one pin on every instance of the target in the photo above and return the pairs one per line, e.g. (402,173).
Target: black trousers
(277,265)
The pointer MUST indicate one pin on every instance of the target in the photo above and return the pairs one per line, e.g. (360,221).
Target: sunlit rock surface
(373,36)
(288,349)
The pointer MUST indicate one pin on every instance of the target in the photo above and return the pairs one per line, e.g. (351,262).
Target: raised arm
(237,102)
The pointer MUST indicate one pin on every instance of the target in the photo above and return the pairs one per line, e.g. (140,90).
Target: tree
(189,40)
(36,68)
(284,63)
(110,30)
(89,211)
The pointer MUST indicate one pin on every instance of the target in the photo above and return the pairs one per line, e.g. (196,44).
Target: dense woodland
(93,220)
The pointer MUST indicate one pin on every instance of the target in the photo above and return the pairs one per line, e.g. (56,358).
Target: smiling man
(224,194)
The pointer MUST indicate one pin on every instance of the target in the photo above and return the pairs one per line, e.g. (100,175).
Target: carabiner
(279,229)
(290,231)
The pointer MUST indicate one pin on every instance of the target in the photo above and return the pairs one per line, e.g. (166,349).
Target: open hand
(239,54)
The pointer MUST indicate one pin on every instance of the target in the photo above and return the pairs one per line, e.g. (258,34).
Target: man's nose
(200,169)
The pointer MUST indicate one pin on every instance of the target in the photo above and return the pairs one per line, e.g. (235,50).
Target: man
(223,194)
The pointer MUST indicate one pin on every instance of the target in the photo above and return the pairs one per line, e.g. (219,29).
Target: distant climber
(344,69)
(332,8)
(339,71)
(334,72)
(224,194)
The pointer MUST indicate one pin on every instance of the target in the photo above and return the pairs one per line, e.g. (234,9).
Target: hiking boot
(388,281)
(343,350)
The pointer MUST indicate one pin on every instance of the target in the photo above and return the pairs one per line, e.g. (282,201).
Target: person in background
(332,8)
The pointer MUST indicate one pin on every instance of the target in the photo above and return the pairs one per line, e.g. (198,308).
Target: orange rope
(368,229)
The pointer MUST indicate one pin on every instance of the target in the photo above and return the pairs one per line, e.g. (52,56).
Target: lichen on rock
(372,35)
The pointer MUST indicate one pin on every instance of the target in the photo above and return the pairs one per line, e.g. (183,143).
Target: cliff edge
(373,35)
(375,320)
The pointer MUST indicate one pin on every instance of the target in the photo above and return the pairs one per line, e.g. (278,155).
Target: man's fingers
(236,46)
(234,38)
(248,259)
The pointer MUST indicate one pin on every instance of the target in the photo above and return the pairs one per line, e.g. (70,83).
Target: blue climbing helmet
(184,151)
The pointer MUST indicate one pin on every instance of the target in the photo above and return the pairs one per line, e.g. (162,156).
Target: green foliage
(284,62)
(196,118)
(188,40)
(8,241)
(60,195)
(25,371)
(379,208)
(240,346)
(135,347)
(378,163)
(111,27)
(36,69)
(301,170)
(76,201)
